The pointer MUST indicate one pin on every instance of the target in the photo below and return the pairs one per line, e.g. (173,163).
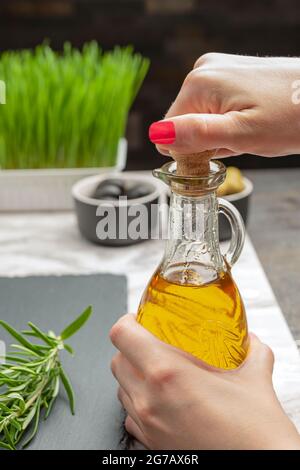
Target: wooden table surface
(274,228)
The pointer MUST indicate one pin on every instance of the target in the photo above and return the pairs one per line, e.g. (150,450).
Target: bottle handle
(237,231)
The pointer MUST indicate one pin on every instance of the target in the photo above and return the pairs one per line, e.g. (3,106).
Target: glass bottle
(192,301)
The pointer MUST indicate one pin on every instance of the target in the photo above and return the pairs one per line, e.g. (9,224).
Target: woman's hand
(236,104)
(173,402)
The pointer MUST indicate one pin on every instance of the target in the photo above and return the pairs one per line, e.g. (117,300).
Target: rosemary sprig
(30,380)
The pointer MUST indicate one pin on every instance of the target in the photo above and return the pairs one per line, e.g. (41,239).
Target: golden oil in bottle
(192,301)
(206,320)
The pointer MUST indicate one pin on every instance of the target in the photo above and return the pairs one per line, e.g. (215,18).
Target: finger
(188,101)
(142,349)
(128,377)
(127,403)
(220,153)
(163,151)
(260,359)
(193,133)
(148,355)
(135,430)
(224,153)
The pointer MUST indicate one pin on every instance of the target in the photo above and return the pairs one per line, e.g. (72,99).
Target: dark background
(172,33)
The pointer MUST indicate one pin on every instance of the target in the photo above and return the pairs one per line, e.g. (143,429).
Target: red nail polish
(162,132)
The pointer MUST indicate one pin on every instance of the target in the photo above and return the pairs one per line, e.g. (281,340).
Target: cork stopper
(194,164)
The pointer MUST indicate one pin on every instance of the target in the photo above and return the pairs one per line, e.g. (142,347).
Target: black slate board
(52,302)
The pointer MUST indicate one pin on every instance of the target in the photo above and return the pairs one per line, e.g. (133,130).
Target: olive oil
(192,301)
(206,320)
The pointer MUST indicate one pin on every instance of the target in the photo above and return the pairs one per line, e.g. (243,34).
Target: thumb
(260,359)
(194,133)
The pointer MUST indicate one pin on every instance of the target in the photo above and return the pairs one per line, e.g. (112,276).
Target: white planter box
(49,189)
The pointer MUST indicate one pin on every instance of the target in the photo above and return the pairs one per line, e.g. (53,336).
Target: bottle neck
(193,237)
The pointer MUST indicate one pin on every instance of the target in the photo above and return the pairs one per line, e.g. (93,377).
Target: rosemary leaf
(19,337)
(42,335)
(3,445)
(77,324)
(68,389)
(50,405)
(36,424)
(69,349)
(8,437)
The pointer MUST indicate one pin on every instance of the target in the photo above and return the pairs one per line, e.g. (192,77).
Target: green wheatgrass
(66,110)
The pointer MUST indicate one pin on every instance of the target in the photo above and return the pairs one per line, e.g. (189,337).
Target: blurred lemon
(234,182)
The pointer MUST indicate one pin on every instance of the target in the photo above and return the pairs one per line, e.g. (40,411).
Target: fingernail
(162,132)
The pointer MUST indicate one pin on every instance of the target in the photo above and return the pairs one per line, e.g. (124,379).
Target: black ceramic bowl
(241,201)
(114,222)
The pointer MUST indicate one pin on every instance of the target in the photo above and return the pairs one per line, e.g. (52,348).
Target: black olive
(109,198)
(136,192)
(111,188)
(115,181)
